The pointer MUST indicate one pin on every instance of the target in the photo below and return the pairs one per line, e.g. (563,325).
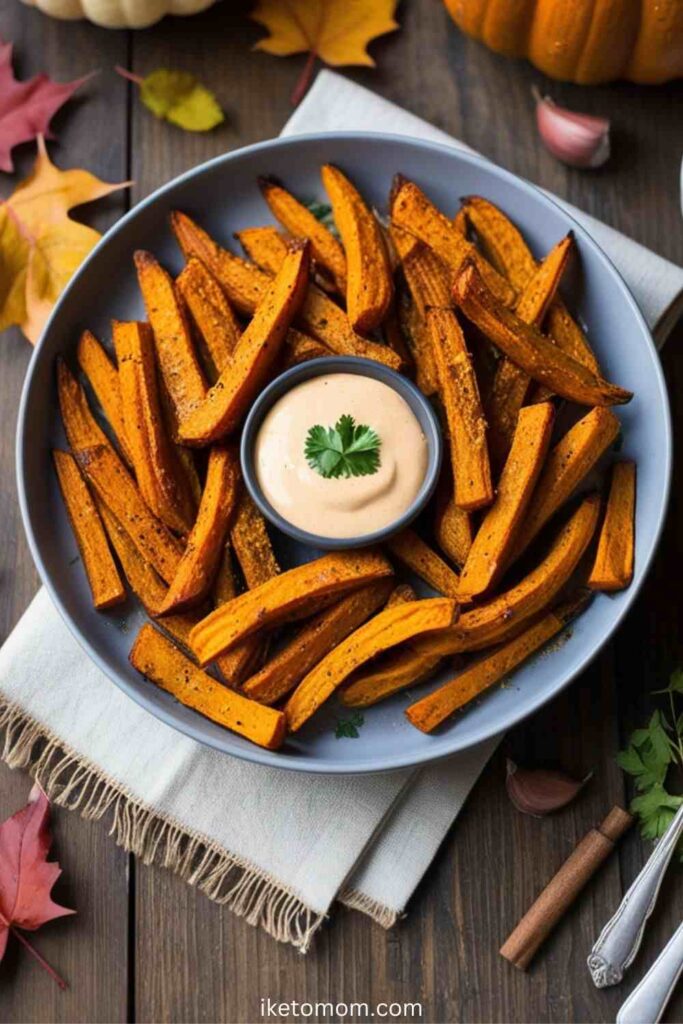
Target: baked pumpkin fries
(521,531)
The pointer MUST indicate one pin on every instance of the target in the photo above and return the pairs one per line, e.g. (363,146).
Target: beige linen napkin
(276,847)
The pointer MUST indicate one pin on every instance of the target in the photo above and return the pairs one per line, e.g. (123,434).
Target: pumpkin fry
(531,350)
(299,348)
(420,345)
(80,426)
(426,275)
(164,664)
(180,369)
(412,552)
(203,551)
(401,594)
(251,544)
(495,537)
(387,676)
(265,246)
(390,627)
(218,328)
(245,285)
(466,424)
(511,383)
(509,253)
(429,712)
(291,595)
(103,378)
(412,210)
(567,464)
(369,286)
(143,580)
(298,220)
(158,470)
(613,565)
(227,401)
(452,525)
(500,618)
(111,481)
(105,583)
(313,642)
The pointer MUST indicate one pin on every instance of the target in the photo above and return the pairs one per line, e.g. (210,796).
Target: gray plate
(223,196)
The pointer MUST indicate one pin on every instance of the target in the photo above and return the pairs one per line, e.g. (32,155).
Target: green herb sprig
(347,449)
(347,728)
(323,213)
(650,754)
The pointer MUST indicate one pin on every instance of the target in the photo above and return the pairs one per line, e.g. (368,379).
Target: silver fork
(647,1002)
(620,939)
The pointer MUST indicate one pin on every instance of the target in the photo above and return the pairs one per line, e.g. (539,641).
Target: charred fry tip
(143,258)
(268,181)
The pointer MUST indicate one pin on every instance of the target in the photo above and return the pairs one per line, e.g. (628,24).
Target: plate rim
(288,761)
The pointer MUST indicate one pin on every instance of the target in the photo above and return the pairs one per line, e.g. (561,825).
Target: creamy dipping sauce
(340,507)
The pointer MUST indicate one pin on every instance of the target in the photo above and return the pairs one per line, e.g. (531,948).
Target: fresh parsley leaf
(347,449)
(651,752)
(347,728)
(323,213)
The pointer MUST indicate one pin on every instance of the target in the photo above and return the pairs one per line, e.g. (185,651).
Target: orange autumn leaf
(336,31)
(40,246)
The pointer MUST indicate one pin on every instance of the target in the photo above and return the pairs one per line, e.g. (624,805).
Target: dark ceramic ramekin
(419,405)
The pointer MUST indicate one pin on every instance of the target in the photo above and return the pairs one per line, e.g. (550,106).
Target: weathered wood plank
(89,950)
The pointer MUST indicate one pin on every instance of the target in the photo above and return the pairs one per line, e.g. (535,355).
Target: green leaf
(655,809)
(345,450)
(178,97)
(676,681)
(347,728)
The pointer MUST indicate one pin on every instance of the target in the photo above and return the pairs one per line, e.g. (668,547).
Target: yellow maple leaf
(336,31)
(40,245)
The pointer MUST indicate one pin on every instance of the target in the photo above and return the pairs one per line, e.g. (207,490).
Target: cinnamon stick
(563,888)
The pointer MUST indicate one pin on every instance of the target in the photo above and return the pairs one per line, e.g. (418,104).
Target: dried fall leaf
(26,875)
(177,97)
(40,246)
(336,31)
(26,108)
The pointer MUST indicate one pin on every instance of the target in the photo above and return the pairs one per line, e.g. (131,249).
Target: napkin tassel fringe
(225,878)
(379,912)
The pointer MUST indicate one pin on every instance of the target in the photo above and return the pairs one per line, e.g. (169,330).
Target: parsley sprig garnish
(651,752)
(347,728)
(347,449)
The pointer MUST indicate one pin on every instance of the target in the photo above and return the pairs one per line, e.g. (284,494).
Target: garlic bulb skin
(580,140)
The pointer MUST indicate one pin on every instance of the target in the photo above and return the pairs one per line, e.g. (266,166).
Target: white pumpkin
(119,13)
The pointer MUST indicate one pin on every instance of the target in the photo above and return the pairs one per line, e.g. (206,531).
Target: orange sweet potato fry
(105,583)
(180,369)
(394,337)
(466,423)
(388,675)
(165,665)
(217,326)
(158,469)
(291,595)
(613,565)
(401,594)
(299,348)
(313,642)
(427,276)
(103,378)
(510,254)
(495,537)
(205,545)
(369,286)
(80,426)
(412,552)
(536,354)
(511,383)
(228,400)
(143,580)
(390,627)
(265,246)
(245,285)
(567,464)
(420,344)
(431,711)
(412,210)
(297,219)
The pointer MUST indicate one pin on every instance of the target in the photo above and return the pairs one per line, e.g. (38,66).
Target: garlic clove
(580,140)
(540,791)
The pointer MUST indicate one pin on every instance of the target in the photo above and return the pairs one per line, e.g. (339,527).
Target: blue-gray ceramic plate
(223,196)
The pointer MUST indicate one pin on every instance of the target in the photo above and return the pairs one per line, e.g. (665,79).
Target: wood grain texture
(195,961)
(90,950)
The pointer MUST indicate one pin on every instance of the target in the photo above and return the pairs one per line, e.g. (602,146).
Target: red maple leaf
(26,876)
(26,108)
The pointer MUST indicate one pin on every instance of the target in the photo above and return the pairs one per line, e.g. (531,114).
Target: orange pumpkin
(584,41)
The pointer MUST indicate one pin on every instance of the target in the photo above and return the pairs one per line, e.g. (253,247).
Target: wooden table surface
(144,945)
